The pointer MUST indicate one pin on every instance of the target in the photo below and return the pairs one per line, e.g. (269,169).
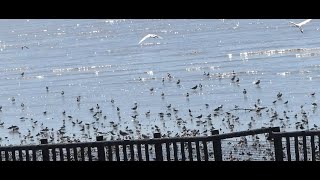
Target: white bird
(299,25)
(150,36)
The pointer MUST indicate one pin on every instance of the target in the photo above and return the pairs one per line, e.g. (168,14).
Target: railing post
(278,148)
(214,132)
(278,151)
(100,148)
(158,148)
(45,150)
(216,146)
(272,129)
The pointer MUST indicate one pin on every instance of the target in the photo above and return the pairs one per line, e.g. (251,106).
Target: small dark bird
(24,47)
(195,87)
(134,116)
(122,133)
(134,108)
(145,136)
(199,116)
(244,91)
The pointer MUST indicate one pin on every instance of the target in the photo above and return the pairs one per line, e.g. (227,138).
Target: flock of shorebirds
(114,129)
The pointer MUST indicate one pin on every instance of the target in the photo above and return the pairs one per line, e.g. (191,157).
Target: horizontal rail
(141,141)
(292,134)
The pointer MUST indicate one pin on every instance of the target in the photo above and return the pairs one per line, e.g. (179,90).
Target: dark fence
(216,147)
(296,146)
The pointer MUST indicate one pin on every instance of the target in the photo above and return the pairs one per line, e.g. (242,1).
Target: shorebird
(195,87)
(199,117)
(299,25)
(149,36)
(244,91)
(24,47)
(122,133)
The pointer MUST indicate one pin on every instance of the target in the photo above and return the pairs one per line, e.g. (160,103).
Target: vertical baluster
(54,156)
(205,151)
(190,151)
(139,152)
(124,149)
(82,153)
(313,148)
(288,148)
(304,142)
(61,154)
(182,151)
(168,151)
(110,157)
(117,152)
(198,151)
(296,146)
(146,149)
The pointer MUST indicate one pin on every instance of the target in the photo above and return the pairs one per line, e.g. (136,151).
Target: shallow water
(101,60)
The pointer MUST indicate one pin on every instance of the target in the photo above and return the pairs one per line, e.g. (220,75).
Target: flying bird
(299,25)
(150,36)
